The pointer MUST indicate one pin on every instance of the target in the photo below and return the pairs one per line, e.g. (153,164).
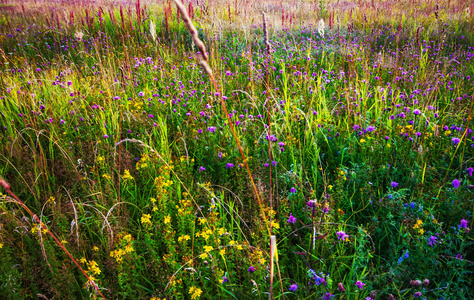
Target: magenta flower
(293,287)
(291,219)
(251,269)
(229,165)
(417,294)
(456,183)
(455,140)
(432,240)
(463,223)
(394,184)
(341,235)
(470,170)
(340,287)
(224,279)
(360,284)
(201,168)
(292,190)
(417,112)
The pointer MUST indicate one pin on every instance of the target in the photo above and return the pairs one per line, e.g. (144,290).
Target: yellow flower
(167,219)
(128,248)
(330,187)
(94,267)
(1,245)
(208,248)
(203,256)
(83,260)
(184,238)
(155,208)
(106,176)
(202,221)
(128,238)
(275,225)
(421,231)
(126,175)
(63,242)
(146,219)
(95,248)
(195,292)
(153,200)
(362,141)
(221,231)
(222,252)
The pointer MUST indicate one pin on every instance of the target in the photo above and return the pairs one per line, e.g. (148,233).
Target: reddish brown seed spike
(4,184)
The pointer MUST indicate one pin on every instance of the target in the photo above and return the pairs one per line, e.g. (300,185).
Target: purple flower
(292,219)
(455,183)
(328,296)
(106,136)
(341,235)
(201,168)
(340,287)
(251,269)
(417,112)
(229,165)
(150,116)
(274,163)
(224,279)
(141,94)
(470,170)
(360,284)
(455,140)
(394,184)
(417,294)
(293,287)
(432,240)
(211,129)
(463,223)
(292,190)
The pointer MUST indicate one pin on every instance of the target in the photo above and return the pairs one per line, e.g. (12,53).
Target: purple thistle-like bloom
(456,183)
(106,136)
(251,269)
(328,296)
(293,287)
(417,112)
(141,94)
(292,190)
(201,168)
(341,235)
(432,240)
(463,223)
(211,129)
(455,140)
(229,165)
(470,170)
(292,219)
(360,284)
(394,184)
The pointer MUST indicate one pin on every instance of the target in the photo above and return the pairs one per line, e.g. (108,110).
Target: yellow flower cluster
(419,226)
(119,253)
(94,268)
(126,175)
(195,292)
(143,162)
(184,238)
(146,219)
(205,233)
(100,159)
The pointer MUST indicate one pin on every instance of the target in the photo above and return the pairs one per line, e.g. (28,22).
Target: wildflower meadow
(236,149)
